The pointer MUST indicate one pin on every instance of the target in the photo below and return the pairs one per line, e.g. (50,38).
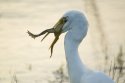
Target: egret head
(72,20)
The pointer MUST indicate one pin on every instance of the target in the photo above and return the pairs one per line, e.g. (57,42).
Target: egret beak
(57,30)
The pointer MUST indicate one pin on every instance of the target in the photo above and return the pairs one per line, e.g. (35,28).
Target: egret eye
(65,19)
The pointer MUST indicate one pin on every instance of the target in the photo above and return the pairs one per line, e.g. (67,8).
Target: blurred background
(25,60)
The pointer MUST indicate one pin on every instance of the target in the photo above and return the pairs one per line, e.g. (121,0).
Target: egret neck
(76,68)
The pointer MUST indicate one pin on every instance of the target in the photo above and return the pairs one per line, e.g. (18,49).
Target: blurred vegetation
(60,76)
(14,78)
(117,67)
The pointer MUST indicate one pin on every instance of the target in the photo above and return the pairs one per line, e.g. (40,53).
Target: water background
(29,58)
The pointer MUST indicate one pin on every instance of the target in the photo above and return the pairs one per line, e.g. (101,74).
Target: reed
(14,78)
(117,68)
(60,76)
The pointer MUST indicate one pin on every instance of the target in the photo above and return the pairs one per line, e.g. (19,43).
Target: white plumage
(77,30)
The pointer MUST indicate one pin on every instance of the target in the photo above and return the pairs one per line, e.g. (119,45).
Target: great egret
(76,25)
